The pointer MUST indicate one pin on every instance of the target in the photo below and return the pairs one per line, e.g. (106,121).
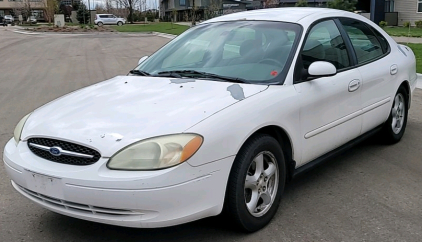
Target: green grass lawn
(402,31)
(153,27)
(417,49)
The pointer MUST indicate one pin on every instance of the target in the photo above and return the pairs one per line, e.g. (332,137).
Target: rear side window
(384,43)
(103,16)
(365,43)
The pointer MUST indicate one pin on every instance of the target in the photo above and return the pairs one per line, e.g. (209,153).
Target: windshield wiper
(201,74)
(169,74)
(139,72)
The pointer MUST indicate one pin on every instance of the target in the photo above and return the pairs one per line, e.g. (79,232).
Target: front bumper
(144,199)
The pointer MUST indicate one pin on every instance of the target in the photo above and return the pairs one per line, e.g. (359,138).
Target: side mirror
(321,69)
(146,57)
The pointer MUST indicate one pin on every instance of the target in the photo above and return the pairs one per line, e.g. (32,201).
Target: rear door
(378,69)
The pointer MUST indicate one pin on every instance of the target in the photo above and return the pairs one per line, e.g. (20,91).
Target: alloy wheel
(397,113)
(261,184)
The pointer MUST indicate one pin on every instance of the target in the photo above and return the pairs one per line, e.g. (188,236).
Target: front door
(330,112)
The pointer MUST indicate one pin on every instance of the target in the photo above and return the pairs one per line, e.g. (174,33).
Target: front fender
(225,132)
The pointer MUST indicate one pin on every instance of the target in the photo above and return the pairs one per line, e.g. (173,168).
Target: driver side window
(325,43)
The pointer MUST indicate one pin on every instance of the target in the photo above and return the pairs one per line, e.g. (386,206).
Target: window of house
(365,42)
(1,11)
(325,43)
(389,6)
(182,2)
(419,6)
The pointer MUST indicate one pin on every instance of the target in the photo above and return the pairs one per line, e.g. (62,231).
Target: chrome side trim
(346,118)
(333,124)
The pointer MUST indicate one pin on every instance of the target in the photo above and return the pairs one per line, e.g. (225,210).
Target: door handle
(354,85)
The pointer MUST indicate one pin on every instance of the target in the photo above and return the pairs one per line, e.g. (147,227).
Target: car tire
(100,24)
(395,126)
(120,23)
(253,207)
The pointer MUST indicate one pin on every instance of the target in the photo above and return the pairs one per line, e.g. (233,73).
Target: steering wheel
(271,61)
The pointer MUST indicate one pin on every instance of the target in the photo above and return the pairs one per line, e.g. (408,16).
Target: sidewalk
(403,39)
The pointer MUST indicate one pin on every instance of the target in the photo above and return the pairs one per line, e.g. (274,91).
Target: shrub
(383,24)
(347,5)
(418,24)
(406,24)
(302,3)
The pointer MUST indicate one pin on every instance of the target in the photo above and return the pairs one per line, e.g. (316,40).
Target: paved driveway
(370,193)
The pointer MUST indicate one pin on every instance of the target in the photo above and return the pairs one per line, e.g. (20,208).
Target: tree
(302,3)
(82,15)
(130,5)
(212,10)
(50,8)
(108,5)
(347,5)
(24,8)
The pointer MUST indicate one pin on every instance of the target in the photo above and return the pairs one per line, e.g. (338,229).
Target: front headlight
(18,130)
(156,153)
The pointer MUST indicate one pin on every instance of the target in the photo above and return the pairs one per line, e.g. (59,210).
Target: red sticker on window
(274,73)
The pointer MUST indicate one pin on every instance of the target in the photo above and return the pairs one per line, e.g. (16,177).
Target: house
(181,10)
(408,10)
(17,7)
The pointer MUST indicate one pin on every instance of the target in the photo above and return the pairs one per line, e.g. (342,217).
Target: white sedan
(219,119)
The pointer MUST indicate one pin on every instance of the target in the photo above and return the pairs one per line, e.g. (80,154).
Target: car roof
(288,14)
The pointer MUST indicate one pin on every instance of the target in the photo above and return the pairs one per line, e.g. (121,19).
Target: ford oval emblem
(56,151)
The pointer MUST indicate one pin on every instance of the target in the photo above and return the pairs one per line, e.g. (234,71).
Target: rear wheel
(100,24)
(256,183)
(395,126)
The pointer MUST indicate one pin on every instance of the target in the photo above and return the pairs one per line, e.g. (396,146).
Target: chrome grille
(65,146)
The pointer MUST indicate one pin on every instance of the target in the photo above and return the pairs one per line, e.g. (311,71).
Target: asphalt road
(370,193)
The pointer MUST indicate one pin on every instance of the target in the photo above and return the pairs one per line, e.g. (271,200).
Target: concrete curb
(60,33)
(168,36)
(419,83)
(25,32)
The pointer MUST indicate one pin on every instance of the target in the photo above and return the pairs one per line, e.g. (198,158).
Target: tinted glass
(384,43)
(253,50)
(325,43)
(364,41)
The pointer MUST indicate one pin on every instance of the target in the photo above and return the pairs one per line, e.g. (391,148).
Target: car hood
(112,114)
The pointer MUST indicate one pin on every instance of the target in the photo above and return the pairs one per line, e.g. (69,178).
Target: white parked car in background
(8,19)
(101,19)
(220,117)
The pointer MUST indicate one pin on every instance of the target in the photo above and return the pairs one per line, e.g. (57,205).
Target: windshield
(254,51)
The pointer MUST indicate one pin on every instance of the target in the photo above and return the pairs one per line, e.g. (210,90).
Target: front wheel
(395,126)
(256,183)
(119,23)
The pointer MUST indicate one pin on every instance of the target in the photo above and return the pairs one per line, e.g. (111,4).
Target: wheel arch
(285,142)
(406,86)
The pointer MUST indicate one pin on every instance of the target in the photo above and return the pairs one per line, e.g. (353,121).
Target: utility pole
(193,13)
(89,11)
